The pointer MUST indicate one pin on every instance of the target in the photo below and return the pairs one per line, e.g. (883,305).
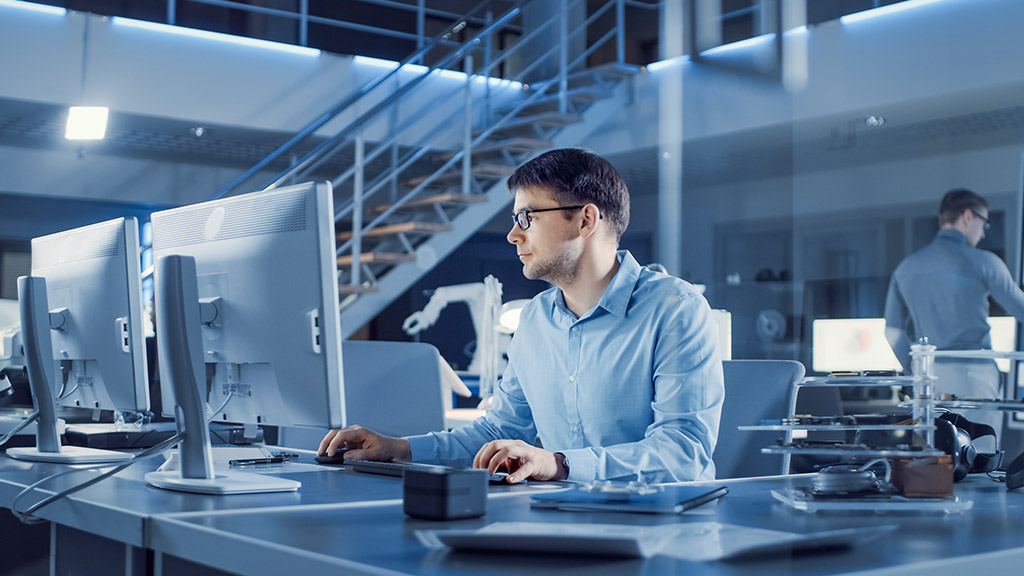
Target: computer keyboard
(391,468)
(397,468)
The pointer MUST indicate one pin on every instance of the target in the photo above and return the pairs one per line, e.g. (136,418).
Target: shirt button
(572,378)
(575,428)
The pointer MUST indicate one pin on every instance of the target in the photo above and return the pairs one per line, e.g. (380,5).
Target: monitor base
(69,455)
(222,483)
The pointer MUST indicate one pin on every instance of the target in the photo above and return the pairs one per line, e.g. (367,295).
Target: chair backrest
(393,388)
(754,390)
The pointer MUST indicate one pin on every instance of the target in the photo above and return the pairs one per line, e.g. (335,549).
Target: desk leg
(79,553)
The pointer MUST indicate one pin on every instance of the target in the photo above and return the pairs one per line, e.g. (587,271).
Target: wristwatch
(563,465)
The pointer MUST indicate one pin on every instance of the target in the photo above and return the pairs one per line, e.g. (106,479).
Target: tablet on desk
(662,500)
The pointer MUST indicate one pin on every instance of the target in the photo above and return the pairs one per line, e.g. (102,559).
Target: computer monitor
(81,310)
(858,344)
(246,298)
(839,344)
(1003,331)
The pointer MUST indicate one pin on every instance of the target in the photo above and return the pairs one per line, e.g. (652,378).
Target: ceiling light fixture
(33,7)
(87,122)
(884,10)
(216,36)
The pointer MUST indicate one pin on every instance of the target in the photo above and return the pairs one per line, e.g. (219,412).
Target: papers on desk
(698,541)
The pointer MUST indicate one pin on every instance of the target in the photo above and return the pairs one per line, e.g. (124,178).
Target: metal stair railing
(407,115)
(360,94)
(421,148)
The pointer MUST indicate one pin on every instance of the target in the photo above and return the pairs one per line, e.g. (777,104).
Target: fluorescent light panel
(87,123)
(755,41)
(420,69)
(884,10)
(217,36)
(655,66)
(33,7)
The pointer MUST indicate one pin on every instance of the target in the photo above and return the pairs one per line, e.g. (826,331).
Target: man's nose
(515,235)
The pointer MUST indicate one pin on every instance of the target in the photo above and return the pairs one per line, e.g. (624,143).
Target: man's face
(551,248)
(976,225)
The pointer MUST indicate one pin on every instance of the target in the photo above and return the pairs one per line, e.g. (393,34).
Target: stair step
(581,95)
(377,257)
(392,229)
(519,144)
(611,72)
(554,119)
(350,289)
(430,201)
(455,176)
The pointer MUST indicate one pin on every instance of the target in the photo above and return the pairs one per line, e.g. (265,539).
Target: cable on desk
(28,420)
(27,516)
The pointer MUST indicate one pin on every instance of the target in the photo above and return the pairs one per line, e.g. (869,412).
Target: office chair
(754,390)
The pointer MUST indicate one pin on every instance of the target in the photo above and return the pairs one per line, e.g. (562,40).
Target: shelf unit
(922,407)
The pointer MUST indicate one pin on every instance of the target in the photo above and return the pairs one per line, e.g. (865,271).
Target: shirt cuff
(423,448)
(582,465)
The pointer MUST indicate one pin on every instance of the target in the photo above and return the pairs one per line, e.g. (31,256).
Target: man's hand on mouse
(364,444)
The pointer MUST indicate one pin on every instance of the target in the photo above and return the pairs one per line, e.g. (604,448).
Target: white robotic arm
(483,300)
(472,294)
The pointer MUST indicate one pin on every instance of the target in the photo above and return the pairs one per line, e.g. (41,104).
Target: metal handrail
(354,97)
(370,115)
(542,90)
(397,132)
(429,127)
(304,18)
(538,93)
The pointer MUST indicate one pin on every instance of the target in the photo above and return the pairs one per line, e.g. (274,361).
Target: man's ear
(589,223)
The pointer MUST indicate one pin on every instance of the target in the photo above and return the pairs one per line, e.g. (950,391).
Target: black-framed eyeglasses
(523,219)
(984,219)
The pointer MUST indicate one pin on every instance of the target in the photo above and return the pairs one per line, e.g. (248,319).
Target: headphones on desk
(955,436)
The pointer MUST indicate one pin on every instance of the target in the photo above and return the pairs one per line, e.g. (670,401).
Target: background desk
(343,521)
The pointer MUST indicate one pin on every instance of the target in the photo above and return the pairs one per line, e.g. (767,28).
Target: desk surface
(375,538)
(341,519)
(119,507)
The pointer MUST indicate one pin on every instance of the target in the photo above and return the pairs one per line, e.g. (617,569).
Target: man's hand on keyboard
(520,459)
(364,444)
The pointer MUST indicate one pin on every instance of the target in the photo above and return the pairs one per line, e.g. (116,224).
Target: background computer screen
(851,344)
(267,262)
(859,343)
(92,273)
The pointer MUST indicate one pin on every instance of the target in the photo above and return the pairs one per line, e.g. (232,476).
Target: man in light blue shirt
(941,292)
(615,369)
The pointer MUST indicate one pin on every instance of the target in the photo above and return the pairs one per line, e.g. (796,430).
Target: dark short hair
(956,201)
(578,176)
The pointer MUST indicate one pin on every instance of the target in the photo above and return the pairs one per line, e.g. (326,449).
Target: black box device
(445,494)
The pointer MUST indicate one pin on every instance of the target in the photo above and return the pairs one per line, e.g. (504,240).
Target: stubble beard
(560,271)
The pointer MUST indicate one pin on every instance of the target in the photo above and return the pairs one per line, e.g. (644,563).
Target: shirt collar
(616,295)
(952,234)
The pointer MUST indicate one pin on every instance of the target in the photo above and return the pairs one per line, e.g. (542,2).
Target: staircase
(424,166)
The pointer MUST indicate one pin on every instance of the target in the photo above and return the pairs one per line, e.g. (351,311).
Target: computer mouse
(337,460)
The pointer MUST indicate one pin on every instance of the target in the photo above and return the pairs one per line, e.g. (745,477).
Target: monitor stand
(36,322)
(179,346)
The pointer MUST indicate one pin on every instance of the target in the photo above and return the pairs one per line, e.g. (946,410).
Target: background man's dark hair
(956,201)
(578,176)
